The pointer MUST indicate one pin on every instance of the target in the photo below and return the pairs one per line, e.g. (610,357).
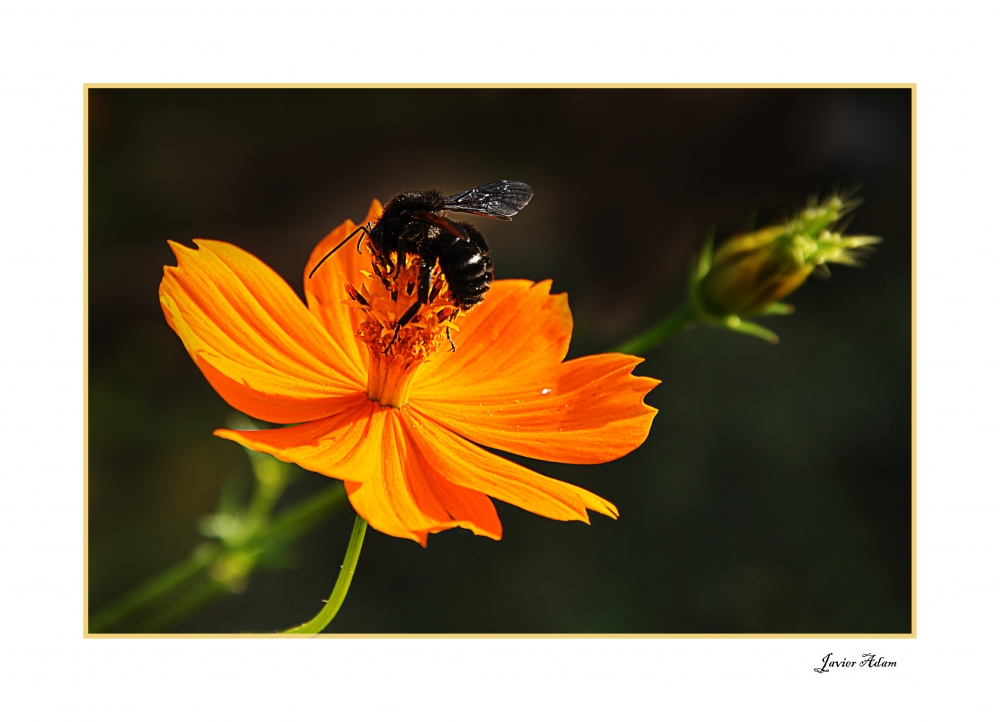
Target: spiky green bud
(750,274)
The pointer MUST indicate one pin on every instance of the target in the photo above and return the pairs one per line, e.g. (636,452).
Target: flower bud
(750,274)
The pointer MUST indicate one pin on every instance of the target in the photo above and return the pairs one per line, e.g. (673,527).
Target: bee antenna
(359,229)
(367,228)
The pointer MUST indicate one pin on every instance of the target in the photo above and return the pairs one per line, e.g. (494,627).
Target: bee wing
(500,199)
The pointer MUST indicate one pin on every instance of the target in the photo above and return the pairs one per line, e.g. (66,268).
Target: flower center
(386,296)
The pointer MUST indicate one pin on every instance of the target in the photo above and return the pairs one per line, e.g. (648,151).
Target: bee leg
(400,256)
(447,332)
(395,335)
(405,319)
(424,290)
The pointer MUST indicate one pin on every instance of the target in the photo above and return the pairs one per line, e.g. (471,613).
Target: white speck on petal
(545,391)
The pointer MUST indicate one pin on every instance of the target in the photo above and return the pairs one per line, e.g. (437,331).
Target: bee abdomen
(466,266)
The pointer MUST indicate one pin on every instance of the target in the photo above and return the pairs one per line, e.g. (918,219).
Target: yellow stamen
(396,353)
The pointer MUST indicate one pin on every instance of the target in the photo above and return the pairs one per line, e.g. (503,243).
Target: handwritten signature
(867,660)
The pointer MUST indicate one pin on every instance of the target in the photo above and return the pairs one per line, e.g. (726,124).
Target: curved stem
(680,320)
(318,623)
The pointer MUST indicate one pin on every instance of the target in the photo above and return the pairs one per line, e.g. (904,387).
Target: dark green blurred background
(774,492)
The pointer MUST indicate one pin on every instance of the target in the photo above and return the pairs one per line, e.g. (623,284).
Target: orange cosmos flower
(402,421)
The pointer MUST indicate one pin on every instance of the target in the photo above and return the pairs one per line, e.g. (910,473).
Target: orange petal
(518,327)
(385,475)
(585,411)
(325,291)
(331,446)
(252,337)
(408,499)
(467,465)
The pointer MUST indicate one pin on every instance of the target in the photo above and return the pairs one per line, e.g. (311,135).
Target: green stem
(318,623)
(289,525)
(262,504)
(298,519)
(681,320)
(154,588)
(184,606)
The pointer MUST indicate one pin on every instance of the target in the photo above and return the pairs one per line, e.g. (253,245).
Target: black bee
(412,223)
